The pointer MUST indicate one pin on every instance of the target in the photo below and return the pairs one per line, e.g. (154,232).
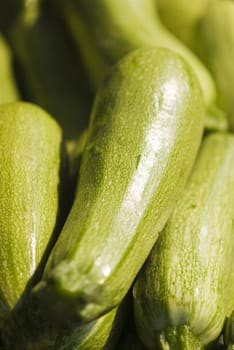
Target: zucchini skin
(147,115)
(183,281)
(30,142)
(8,88)
(104,36)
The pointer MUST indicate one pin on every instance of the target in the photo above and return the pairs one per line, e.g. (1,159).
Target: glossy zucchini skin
(105,35)
(147,116)
(8,87)
(183,283)
(30,142)
(217,51)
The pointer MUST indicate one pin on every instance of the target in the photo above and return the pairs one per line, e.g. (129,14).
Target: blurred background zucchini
(49,69)
(8,88)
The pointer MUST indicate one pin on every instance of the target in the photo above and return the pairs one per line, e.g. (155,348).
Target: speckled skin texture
(187,275)
(145,130)
(29,177)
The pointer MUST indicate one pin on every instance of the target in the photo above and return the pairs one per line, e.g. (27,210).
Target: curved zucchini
(8,87)
(147,116)
(179,296)
(104,35)
(30,142)
(182,16)
(217,51)
(229,332)
(50,71)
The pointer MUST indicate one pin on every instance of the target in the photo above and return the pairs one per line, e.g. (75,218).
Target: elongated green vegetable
(30,142)
(8,87)
(229,332)
(215,46)
(181,17)
(51,73)
(147,117)
(179,297)
(105,35)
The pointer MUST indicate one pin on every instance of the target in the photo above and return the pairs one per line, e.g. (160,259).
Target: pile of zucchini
(116,175)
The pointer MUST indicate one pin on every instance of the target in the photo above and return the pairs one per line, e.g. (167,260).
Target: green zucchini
(181,17)
(179,296)
(51,74)
(217,51)
(147,117)
(229,332)
(104,35)
(30,142)
(8,87)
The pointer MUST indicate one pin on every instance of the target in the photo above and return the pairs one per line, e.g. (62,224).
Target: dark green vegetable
(147,117)
(30,142)
(229,332)
(180,298)
(50,71)
(8,87)
(102,333)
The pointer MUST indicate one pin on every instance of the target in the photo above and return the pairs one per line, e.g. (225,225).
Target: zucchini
(181,17)
(104,35)
(229,332)
(8,87)
(51,74)
(30,142)
(217,51)
(179,296)
(147,117)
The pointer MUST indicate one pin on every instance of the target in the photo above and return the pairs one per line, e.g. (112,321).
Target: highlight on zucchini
(147,117)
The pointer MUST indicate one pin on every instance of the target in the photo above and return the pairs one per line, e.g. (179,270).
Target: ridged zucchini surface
(180,296)
(30,143)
